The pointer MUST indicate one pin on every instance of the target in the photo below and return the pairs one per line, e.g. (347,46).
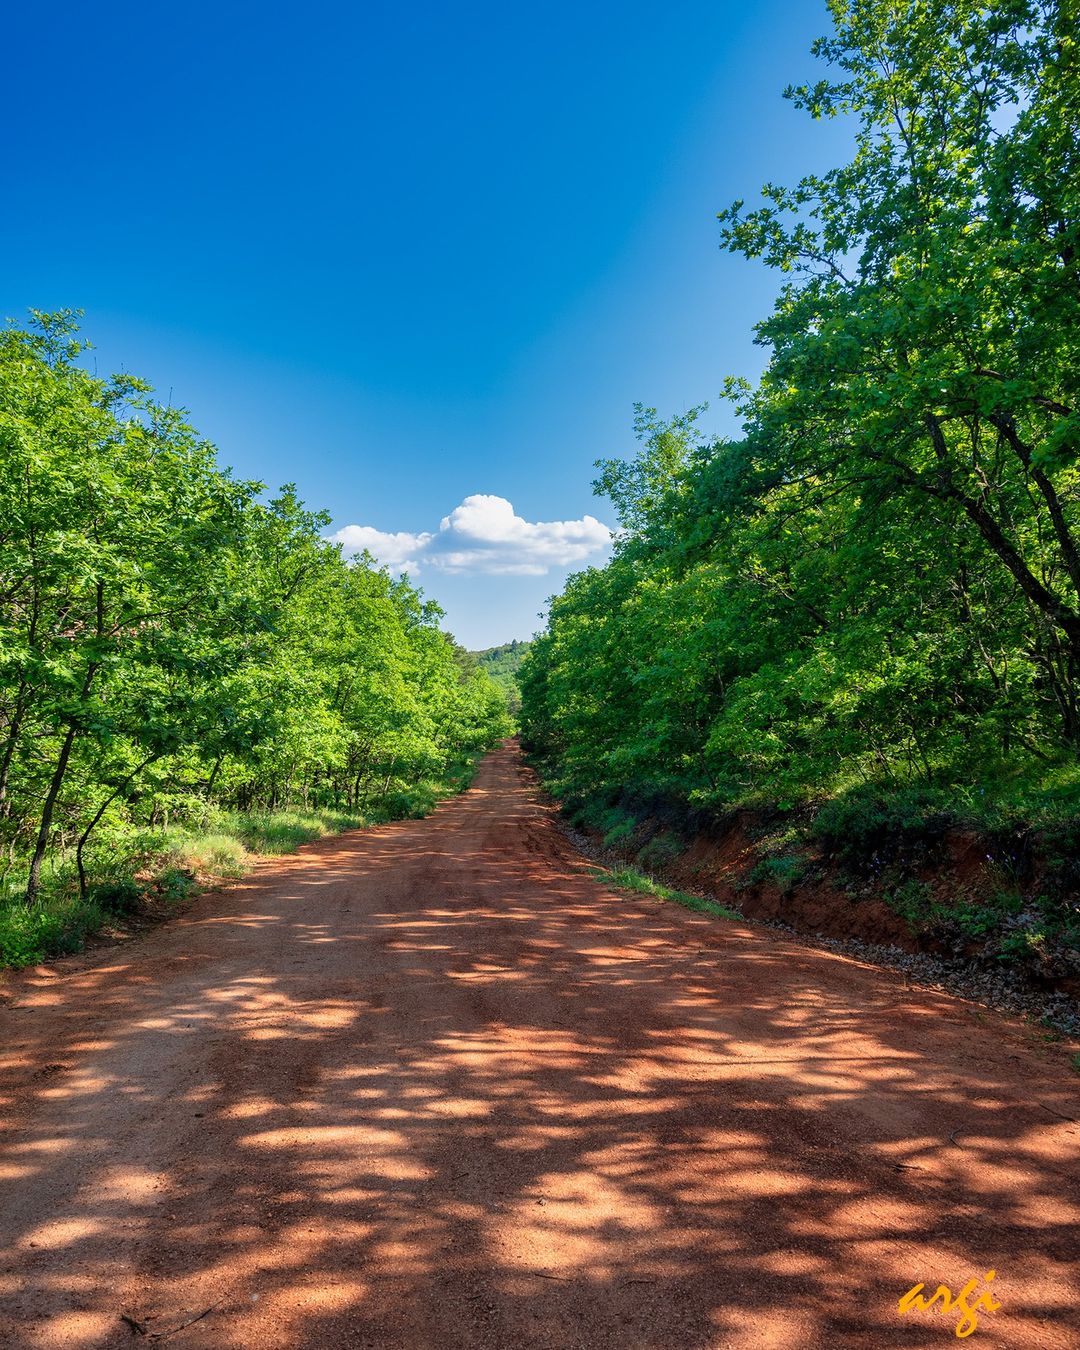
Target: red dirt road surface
(431,1085)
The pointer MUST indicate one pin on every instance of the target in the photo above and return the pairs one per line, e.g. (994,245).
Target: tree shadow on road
(433,1086)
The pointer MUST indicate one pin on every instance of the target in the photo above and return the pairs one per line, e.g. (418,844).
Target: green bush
(25,935)
(412,803)
(661,850)
(30,933)
(913,901)
(617,826)
(783,872)
(1007,926)
(117,897)
(867,830)
(174,884)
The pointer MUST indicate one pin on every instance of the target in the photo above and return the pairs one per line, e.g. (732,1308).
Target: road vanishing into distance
(433,1085)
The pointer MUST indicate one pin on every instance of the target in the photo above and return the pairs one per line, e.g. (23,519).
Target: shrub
(25,935)
(867,830)
(783,872)
(412,803)
(30,933)
(617,826)
(174,884)
(117,897)
(661,850)
(913,901)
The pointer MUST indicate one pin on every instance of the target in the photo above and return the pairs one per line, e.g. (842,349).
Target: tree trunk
(9,749)
(1066,542)
(213,775)
(97,816)
(33,884)
(1060,614)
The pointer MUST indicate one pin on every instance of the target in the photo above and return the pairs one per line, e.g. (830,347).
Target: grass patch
(274,832)
(217,855)
(630,879)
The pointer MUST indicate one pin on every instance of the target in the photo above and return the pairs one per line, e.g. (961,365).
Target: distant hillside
(502,664)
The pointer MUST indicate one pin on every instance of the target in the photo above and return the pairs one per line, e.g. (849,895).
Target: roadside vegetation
(859,621)
(639,883)
(189,671)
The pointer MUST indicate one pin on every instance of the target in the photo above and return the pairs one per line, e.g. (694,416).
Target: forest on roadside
(189,671)
(860,619)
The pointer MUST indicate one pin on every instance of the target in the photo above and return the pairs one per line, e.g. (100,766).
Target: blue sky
(413,257)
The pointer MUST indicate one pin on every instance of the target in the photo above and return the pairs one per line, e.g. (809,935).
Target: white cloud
(483,534)
(393,550)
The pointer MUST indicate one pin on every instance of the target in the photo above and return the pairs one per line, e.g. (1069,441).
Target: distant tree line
(502,663)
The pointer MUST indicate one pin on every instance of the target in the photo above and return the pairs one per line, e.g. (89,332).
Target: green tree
(878,582)
(169,636)
(926,350)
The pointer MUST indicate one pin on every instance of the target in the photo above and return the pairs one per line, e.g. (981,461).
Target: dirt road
(432,1086)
